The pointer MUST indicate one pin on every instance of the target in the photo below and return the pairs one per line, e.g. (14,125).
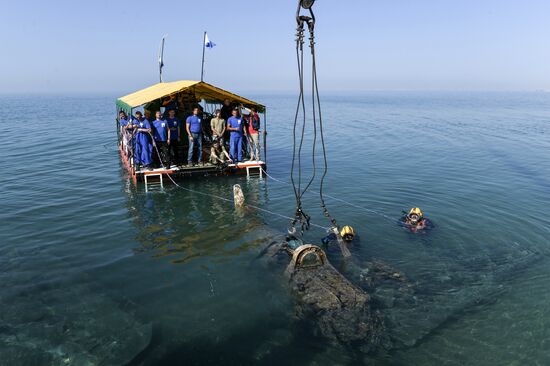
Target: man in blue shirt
(173,136)
(235,127)
(125,131)
(193,126)
(160,134)
(122,119)
(143,147)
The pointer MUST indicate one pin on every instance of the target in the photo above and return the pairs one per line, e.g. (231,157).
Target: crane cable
(300,216)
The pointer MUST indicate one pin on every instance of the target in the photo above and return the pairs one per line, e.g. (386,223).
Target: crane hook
(306,4)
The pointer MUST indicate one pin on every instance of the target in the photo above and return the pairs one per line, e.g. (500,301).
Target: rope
(337,199)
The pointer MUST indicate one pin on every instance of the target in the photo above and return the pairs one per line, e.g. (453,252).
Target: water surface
(96,271)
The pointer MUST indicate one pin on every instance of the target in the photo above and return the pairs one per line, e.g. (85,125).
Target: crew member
(160,134)
(147,114)
(144,148)
(235,127)
(218,153)
(170,103)
(125,131)
(193,126)
(173,136)
(217,125)
(227,109)
(122,119)
(415,221)
(252,132)
(347,233)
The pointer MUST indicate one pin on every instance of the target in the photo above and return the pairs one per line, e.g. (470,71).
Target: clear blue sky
(111,46)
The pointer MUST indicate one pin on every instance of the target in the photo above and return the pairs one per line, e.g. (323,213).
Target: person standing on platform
(173,136)
(147,114)
(227,109)
(169,103)
(253,132)
(143,147)
(193,126)
(235,127)
(160,134)
(125,131)
(217,125)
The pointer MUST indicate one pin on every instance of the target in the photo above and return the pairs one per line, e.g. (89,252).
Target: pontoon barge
(183,96)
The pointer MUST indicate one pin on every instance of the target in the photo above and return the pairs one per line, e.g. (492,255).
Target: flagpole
(161,57)
(203,48)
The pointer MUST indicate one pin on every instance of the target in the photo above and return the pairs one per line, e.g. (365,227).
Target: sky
(112,46)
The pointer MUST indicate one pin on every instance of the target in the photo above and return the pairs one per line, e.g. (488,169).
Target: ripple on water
(80,237)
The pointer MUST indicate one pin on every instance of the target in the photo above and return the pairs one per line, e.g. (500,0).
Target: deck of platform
(206,169)
(184,171)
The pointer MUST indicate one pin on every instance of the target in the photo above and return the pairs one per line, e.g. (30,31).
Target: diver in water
(347,233)
(415,220)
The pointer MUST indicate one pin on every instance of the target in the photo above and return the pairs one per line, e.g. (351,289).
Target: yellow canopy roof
(201,90)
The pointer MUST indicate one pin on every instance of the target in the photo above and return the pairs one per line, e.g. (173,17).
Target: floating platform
(183,97)
(178,172)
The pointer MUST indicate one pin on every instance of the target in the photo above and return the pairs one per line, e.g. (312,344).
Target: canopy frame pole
(132,144)
(117,119)
(265,135)
(203,48)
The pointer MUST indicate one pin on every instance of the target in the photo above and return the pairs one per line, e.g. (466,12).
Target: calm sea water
(96,271)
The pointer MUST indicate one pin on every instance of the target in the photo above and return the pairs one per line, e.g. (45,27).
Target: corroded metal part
(336,309)
(308,256)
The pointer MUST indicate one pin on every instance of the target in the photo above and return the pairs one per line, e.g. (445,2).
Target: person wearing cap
(173,136)
(217,125)
(235,127)
(252,128)
(160,135)
(218,154)
(193,126)
(143,146)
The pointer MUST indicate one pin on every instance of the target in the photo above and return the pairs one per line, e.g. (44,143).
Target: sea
(94,270)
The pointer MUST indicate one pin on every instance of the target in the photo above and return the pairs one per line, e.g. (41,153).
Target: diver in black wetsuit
(415,221)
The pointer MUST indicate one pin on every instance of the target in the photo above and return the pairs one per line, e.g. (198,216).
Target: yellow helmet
(347,233)
(414,216)
(416,211)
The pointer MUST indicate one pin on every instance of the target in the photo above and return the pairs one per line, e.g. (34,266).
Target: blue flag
(208,43)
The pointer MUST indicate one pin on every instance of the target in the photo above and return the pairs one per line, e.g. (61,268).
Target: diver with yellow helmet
(347,233)
(415,221)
